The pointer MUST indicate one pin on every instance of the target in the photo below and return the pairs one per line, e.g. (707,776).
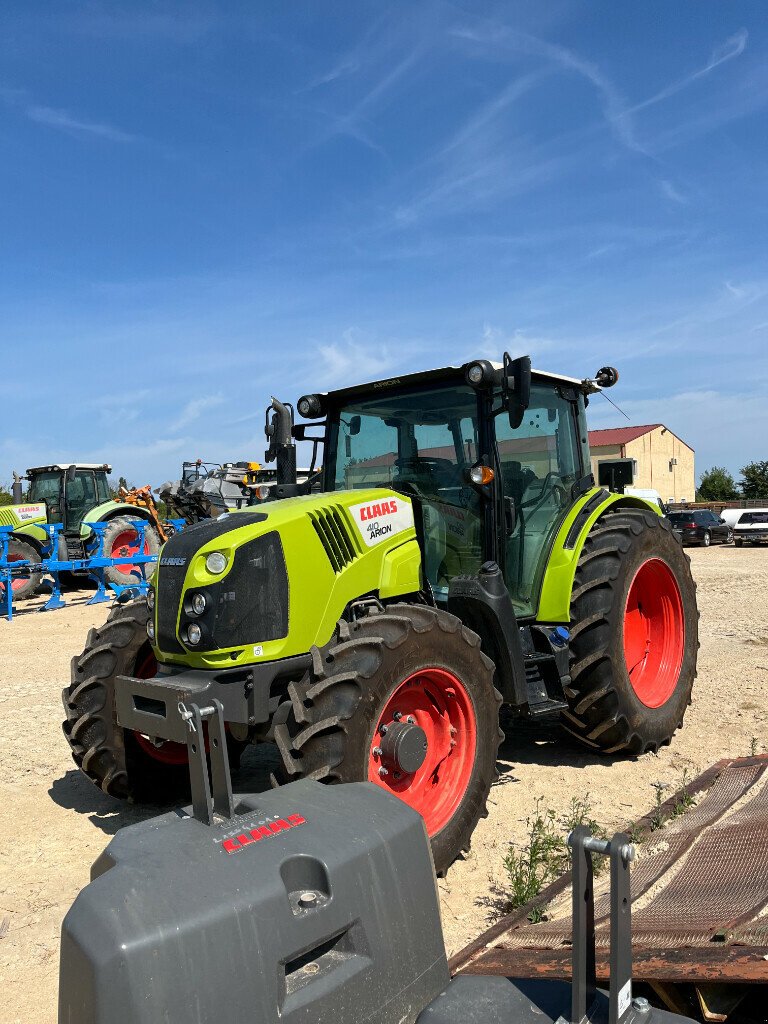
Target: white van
(749,524)
(648,494)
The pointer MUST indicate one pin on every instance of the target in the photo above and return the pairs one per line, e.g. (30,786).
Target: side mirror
(517,387)
(354,426)
(71,473)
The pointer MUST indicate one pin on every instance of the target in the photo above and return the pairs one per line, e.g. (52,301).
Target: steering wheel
(539,498)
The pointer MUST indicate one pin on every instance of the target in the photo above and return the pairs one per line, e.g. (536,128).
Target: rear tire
(424,665)
(707,539)
(113,758)
(23,587)
(121,538)
(634,635)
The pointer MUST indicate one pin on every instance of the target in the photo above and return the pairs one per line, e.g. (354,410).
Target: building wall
(653,452)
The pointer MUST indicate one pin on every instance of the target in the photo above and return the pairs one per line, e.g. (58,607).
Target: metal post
(583,974)
(202,804)
(223,804)
(205,807)
(621,853)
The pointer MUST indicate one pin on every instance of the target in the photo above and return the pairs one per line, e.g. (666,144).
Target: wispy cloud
(612,102)
(64,120)
(672,193)
(733,47)
(194,409)
(518,342)
(356,357)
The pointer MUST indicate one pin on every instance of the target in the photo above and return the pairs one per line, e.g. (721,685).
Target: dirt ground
(54,823)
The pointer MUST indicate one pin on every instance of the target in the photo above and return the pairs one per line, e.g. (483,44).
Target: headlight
(216,563)
(151,599)
(194,634)
(151,629)
(198,603)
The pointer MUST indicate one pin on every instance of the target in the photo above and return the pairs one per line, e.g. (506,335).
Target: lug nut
(397,715)
(383,771)
(376,751)
(411,720)
(383,730)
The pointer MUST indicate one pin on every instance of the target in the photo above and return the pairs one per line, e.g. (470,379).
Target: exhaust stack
(282,447)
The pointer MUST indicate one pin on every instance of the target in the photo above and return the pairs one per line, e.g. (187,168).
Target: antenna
(614,405)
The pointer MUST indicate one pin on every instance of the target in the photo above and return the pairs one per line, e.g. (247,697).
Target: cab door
(79,499)
(540,462)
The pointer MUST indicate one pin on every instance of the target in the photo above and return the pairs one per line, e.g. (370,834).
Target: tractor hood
(281,577)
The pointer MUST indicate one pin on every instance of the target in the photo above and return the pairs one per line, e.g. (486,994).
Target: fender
(110,510)
(555,598)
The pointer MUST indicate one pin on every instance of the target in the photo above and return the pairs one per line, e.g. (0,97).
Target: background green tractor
(76,495)
(457,556)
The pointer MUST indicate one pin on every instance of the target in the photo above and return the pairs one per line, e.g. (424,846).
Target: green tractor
(455,556)
(76,495)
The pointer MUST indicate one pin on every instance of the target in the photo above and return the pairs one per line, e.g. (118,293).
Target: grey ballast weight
(306,905)
(313,903)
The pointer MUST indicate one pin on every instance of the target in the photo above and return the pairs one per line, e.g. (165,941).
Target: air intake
(335,536)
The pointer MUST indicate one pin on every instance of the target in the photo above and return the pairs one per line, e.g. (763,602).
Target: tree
(115,491)
(6,497)
(755,480)
(717,484)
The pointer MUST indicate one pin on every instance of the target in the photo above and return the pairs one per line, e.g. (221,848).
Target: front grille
(335,536)
(172,570)
(250,604)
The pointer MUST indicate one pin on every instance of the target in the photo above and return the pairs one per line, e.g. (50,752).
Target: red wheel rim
(654,633)
(438,703)
(168,752)
(124,545)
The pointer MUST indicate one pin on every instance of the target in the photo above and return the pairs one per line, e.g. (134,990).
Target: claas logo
(255,835)
(382,508)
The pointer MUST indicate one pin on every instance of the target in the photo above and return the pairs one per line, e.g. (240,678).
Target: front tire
(115,759)
(404,699)
(634,635)
(26,586)
(707,539)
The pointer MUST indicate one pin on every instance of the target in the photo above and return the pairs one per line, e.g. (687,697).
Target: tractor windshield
(44,487)
(420,442)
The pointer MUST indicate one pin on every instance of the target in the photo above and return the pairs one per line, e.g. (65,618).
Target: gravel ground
(54,823)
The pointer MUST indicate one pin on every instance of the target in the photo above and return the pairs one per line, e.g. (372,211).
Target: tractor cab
(494,467)
(69,491)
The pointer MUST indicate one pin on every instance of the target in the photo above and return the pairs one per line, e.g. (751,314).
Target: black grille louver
(337,539)
(174,561)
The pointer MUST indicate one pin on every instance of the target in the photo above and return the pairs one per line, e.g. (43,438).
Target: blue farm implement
(92,565)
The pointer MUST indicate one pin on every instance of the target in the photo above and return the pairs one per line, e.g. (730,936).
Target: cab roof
(445,373)
(62,467)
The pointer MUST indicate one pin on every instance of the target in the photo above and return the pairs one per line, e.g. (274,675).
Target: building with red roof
(650,455)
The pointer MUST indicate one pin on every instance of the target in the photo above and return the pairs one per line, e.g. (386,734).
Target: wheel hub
(404,747)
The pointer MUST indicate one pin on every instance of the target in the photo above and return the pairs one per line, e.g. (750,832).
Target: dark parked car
(700,526)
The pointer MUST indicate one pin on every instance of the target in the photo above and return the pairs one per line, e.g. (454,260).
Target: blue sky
(204,204)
